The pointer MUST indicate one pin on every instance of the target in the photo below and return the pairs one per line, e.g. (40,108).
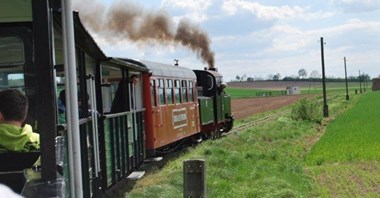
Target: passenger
(14,137)
(62,107)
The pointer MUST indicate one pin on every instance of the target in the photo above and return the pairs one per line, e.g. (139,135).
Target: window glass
(12,77)
(184,91)
(191,91)
(153,92)
(161,92)
(169,91)
(11,51)
(111,77)
(177,91)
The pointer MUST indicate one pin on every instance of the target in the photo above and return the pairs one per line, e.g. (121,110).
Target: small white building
(293,90)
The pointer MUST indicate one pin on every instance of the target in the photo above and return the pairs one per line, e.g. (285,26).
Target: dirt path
(243,108)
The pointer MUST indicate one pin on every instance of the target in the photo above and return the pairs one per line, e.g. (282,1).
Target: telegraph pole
(345,72)
(325,106)
(364,82)
(360,82)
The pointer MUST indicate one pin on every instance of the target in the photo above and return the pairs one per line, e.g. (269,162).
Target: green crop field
(306,88)
(353,136)
(345,162)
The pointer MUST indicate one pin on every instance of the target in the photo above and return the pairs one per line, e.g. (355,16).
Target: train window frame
(7,81)
(210,82)
(109,74)
(191,91)
(184,91)
(169,92)
(177,91)
(161,92)
(153,92)
(21,51)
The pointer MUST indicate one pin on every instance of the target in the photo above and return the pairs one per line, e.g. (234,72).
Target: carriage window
(11,51)
(191,91)
(184,91)
(161,92)
(153,92)
(210,82)
(169,91)
(12,77)
(177,91)
(111,78)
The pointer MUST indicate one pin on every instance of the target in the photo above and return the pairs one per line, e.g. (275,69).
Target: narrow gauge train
(128,110)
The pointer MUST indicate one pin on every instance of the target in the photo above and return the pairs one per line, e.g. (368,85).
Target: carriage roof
(164,70)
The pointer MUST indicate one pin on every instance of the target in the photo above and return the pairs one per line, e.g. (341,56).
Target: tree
(275,77)
(237,77)
(315,74)
(302,73)
(250,79)
(364,77)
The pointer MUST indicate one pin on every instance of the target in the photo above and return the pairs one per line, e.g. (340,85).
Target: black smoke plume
(125,20)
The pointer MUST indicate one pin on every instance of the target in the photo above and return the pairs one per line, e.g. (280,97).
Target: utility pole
(364,82)
(360,82)
(325,106)
(345,72)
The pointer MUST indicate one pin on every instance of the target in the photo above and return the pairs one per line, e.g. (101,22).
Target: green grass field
(345,162)
(237,92)
(353,136)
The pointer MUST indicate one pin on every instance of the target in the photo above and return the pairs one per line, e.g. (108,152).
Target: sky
(261,38)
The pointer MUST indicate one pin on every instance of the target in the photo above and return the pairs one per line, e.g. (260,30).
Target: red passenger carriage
(171,105)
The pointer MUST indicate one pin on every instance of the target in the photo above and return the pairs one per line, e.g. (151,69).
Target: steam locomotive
(130,109)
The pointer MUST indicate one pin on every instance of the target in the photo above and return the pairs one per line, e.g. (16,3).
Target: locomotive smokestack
(125,20)
(176,62)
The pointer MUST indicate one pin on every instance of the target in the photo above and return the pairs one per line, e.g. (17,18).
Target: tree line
(303,76)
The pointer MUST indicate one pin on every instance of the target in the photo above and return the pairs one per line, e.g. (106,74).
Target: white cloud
(261,11)
(194,9)
(187,4)
(357,5)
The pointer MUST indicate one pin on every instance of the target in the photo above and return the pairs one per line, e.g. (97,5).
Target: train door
(122,122)
(220,99)
(87,112)
(165,97)
(136,118)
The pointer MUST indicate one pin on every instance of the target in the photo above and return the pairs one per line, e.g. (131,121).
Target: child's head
(13,105)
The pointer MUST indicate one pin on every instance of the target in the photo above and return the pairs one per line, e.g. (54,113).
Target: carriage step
(155,159)
(136,175)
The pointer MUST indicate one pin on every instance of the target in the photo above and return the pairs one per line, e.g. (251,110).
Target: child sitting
(14,137)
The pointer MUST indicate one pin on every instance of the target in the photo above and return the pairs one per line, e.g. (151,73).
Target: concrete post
(194,176)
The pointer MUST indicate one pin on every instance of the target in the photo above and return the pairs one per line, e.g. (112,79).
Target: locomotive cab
(215,104)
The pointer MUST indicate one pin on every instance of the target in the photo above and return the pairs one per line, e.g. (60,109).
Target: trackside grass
(264,161)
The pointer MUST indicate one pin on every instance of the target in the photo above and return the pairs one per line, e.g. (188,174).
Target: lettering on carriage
(179,118)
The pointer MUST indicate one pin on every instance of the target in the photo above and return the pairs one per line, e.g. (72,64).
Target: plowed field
(242,108)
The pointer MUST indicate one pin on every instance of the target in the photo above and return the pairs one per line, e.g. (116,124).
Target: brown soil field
(243,108)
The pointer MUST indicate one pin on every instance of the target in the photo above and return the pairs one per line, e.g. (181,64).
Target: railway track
(248,125)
